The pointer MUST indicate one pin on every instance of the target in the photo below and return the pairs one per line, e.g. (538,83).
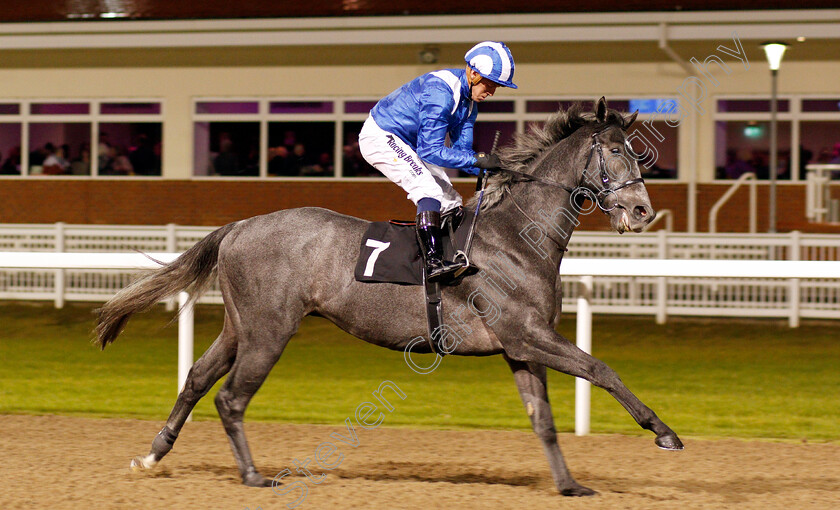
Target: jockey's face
(483,89)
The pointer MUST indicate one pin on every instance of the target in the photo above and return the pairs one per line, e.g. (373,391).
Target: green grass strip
(704,377)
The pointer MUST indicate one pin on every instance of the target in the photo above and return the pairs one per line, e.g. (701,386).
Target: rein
(588,194)
(598,197)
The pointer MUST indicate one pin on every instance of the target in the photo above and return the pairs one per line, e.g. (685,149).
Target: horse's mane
(528,147)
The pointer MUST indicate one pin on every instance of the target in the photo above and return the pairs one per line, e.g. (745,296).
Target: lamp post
(774,51)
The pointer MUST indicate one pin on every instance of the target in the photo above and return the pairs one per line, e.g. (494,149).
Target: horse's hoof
(578,491)
(669,441)
(141,463)
(256,480)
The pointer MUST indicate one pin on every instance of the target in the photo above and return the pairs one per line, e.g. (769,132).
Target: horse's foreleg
(554,351)
(209,368)
(558,299)
(532,384)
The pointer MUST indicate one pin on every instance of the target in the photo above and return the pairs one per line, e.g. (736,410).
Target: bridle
(585,193)
(599,197)
(605,179)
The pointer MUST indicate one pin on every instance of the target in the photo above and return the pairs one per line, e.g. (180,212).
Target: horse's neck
(536,219)
(550,206)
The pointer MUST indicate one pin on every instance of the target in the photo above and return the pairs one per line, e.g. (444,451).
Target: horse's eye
(615,151)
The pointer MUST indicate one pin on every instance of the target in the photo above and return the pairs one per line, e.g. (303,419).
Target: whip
(479,187)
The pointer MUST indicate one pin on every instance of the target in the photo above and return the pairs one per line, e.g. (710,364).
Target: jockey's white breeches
(398,162)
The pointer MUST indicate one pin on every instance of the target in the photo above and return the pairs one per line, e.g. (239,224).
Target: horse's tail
(192,271)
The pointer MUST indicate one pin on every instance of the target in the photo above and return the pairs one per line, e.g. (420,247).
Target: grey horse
(275,269)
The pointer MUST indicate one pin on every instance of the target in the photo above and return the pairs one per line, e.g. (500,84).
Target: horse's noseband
(607,189)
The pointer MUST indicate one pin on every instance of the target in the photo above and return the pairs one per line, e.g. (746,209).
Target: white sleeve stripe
(454,83)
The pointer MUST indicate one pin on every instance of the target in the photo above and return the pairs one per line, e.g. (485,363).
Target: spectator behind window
(835,155)
(143,157)
(37,156)
(120,164)
(278,163)
(81,164)
(740,164)
(54,163)
(298,159)
(104,158)
(226,162)
(11,166)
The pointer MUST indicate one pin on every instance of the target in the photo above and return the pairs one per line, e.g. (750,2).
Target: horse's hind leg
(209,368)
(249,371)
(532,384)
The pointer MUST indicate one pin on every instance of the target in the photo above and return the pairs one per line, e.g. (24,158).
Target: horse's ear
(601,110)
(630,119)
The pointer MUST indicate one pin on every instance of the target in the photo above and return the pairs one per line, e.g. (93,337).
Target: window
(742,136)
(319,138)
(131,146)
(227,107)
(10,140)
(303,149)
(819,142)
(274,138)
(819,132)
(227,149)
(134,145)
(352,162)
(54,146)
(657,143)
(650,135)
(744,146)
(59,138)
(751,105)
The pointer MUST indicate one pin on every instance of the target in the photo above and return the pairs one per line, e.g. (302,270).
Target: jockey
(405,138)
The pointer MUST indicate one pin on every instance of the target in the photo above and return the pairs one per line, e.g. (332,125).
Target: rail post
(634,282)
(185,340)
(60,284)
(661,281)
(794,283)
(584,342)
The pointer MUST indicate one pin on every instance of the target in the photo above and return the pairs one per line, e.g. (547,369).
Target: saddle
(389,253)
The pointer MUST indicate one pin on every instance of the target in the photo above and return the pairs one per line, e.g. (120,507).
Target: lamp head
(775,51)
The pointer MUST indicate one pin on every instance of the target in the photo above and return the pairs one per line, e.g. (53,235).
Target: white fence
(659,296)
(586,269)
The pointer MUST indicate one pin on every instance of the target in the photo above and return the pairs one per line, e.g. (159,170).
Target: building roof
(80,33)
(52,10)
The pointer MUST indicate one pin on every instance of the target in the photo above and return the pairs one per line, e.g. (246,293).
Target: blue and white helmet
(493,61)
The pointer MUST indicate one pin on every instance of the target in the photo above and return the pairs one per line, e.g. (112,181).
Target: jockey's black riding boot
(428,232)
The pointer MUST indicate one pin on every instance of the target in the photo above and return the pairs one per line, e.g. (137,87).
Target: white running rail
(586,269)
(658,296)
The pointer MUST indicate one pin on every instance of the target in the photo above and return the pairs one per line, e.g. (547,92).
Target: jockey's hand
(487,161)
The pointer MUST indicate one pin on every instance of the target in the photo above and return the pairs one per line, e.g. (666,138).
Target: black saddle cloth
(390,253)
